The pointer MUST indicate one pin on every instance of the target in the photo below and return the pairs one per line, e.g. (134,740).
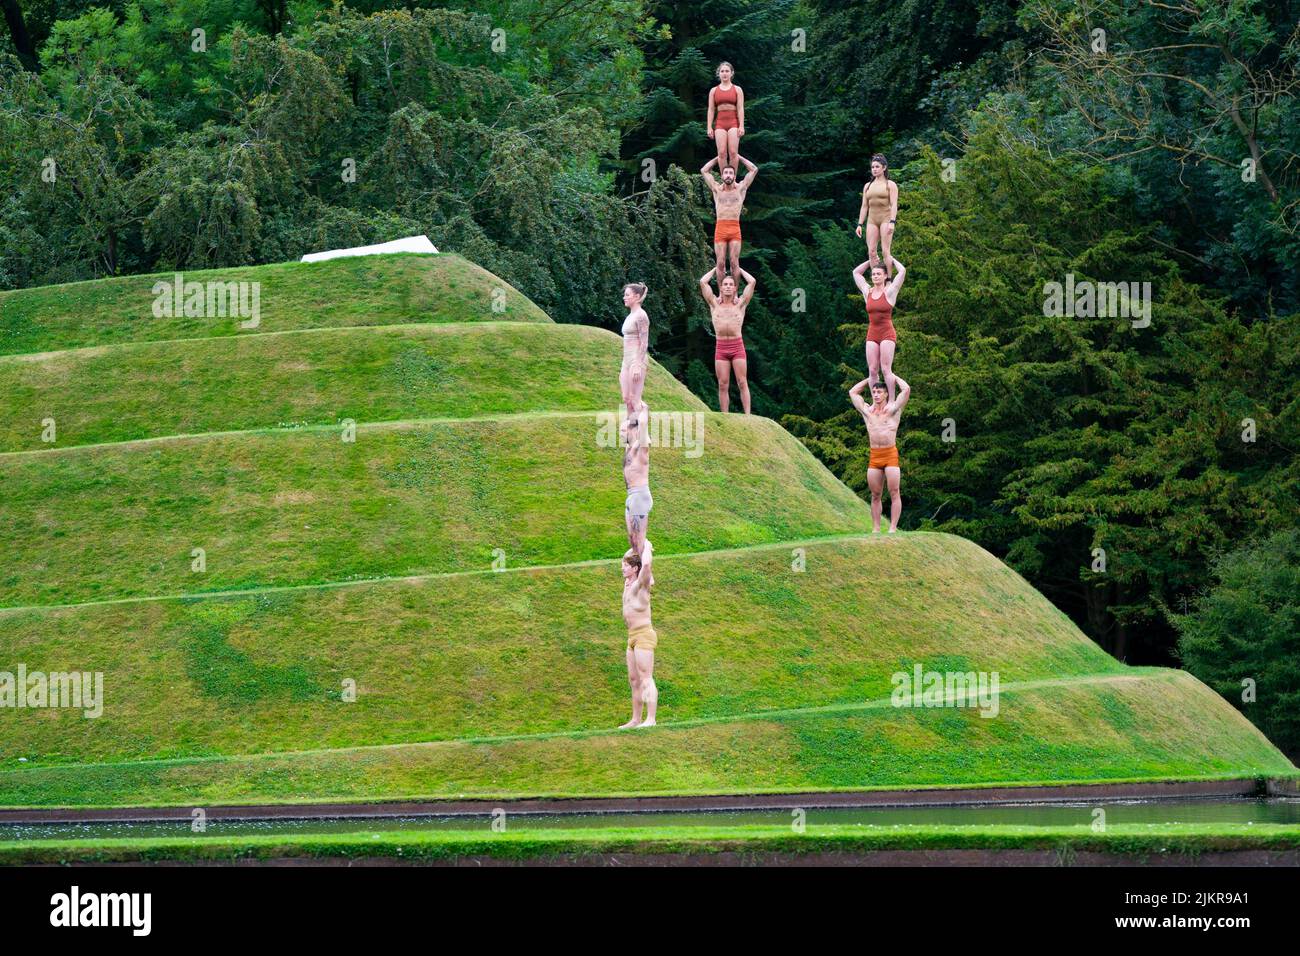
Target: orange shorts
(726,230)
(884,457)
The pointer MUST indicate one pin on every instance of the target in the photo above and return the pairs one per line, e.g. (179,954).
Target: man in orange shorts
(728,198)
(882,418)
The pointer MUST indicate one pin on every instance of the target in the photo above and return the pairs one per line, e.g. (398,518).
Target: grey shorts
(639,501)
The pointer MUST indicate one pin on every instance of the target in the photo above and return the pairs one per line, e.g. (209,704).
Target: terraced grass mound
(264,672)
(1135,726)
(313,377)
(369,561)
(361,291)
(297,508)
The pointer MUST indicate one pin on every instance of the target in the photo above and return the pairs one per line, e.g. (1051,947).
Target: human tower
(879,279)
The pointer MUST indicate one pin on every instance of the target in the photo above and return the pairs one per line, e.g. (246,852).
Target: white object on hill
(409,244)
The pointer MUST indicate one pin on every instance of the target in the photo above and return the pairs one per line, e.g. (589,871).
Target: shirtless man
(728,198)
(882,430)
(641,637)
(728,313)
(636,474)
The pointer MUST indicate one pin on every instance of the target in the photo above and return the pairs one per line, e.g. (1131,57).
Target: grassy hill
(369,563)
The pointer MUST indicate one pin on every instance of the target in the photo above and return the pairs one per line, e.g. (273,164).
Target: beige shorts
(642,638)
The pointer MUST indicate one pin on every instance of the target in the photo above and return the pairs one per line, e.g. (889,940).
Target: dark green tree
(1242,636)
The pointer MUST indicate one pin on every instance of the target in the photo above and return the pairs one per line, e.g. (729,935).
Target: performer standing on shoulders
(882,432)
(636,347)
(879,211)
(728,200)
(728,312)
(725,121)
(879,298)
(636,475)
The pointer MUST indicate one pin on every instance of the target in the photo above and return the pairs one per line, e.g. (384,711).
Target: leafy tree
(1194,100)
(1074,433)
(1246,627)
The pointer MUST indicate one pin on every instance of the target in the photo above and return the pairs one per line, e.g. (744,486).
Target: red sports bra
(880,313)
(723,97)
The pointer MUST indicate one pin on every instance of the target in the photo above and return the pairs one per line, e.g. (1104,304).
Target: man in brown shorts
(882,418)
(728,198)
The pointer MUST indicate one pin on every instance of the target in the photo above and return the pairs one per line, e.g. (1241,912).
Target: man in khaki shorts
(882,431)
(641,636)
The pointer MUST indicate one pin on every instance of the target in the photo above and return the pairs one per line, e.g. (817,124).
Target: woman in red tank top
(725,122)
(879,298)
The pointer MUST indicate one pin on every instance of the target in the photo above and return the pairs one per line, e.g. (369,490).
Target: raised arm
(647,556)
(750,285)
(900,273)
(860,279)
(855,396)
(704,170)
(706,290)
(904,393)
(749,176)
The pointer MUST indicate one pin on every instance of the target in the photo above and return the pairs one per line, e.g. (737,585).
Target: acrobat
(882,418)
(879,211)
(636,475)
(879,298)
(641,636)
(728,200)
(728,312)
(636,346)
(724,121)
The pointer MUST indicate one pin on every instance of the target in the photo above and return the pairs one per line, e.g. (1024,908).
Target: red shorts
(725,119)
(881,333)
(727,349)
(726,230)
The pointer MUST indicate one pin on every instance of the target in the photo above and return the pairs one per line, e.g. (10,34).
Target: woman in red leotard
(879,298)
(725,122)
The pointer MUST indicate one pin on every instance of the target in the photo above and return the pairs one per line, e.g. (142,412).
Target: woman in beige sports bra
(880,211)
(636,347)
(725,122)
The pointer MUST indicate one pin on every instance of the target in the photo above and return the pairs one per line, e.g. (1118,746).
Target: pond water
(1240,811)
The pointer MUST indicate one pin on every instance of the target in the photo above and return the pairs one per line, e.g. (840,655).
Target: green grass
(1051,733)
(332,562)
(1141,842)
(534,651)
(359,291)
(308,507)
(314,378)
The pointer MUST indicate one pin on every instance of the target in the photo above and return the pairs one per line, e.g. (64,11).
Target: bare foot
(893,530)
(629,724)
(648,723)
